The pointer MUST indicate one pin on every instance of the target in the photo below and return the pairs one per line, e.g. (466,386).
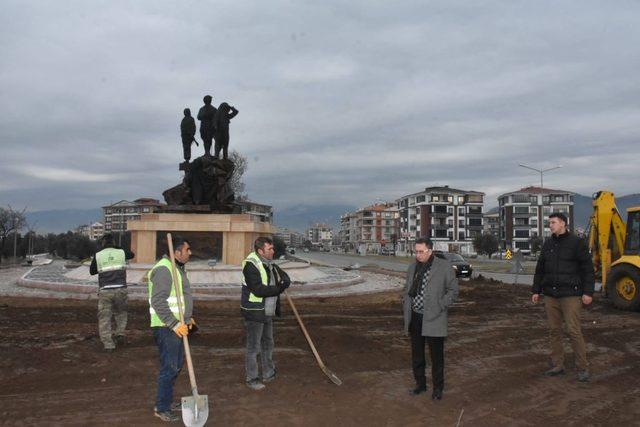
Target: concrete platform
(218,282)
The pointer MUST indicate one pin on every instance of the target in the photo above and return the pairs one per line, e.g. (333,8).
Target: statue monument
(202,207)
(205,186)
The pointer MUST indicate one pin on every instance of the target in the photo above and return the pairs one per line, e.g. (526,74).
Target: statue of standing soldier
(226,112)
(188,133)
(207,117)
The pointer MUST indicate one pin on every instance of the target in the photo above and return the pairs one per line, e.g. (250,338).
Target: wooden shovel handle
(185,340)
(304,330)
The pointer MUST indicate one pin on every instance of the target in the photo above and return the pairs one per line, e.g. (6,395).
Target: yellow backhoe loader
(615,247)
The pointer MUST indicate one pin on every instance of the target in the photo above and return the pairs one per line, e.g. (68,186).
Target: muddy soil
(53,372)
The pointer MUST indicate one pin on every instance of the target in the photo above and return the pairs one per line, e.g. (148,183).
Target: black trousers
(418,360)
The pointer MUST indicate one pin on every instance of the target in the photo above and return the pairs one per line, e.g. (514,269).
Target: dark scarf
(421,269)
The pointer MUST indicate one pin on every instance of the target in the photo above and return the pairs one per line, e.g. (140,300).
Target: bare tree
(11,221)
(236,182)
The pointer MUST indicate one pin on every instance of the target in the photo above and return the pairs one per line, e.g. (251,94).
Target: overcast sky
(340,102)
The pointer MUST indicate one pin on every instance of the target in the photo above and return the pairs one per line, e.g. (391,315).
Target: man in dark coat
(262,283)
(431,287)
(188,133)
(565,275)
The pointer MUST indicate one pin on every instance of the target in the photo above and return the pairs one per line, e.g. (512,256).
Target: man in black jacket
(565,275)
(110,266)
(263,282)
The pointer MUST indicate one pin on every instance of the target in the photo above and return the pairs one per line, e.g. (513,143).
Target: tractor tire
(623,287)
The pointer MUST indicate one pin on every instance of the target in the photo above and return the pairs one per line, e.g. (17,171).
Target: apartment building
(370,229)
(491,223)
(524,214)
(117,214)
(450,217)
(263,213)
(291,238)
(93,231)
(320,235)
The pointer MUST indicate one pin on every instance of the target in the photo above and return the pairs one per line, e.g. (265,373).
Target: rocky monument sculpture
(206,183)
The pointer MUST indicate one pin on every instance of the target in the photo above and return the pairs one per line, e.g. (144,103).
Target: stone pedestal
(238,232)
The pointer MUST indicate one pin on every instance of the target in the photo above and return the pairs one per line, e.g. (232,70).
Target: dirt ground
(52,371)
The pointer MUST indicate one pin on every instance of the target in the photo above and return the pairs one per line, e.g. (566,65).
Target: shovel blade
(195,410)
(333,377)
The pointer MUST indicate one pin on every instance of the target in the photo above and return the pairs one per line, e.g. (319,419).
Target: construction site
(54,372)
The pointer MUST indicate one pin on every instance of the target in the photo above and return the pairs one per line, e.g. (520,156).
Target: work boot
(554,372)
(583,376)
(255,385)
(167,416)
(270,377)
(175,406)
(420,388)
(437,394)
(120,340)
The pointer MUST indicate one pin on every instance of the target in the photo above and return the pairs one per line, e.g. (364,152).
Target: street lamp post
(540,171)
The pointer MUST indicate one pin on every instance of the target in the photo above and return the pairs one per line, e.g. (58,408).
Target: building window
(522,245)
(439,209)
(475,221)
(521,233)
(440,233)
(475,209)
(461,211)
(460,235)
(435,198)
(420,199)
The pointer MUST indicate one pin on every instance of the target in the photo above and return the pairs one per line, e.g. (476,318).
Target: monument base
(225,237)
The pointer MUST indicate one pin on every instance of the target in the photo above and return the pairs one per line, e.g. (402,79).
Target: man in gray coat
(431,287)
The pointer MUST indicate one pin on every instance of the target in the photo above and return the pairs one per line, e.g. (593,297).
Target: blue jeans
(259,340)
(171,351)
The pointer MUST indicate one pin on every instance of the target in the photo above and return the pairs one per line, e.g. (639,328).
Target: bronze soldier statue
(226,112)
(207,117)
(188,133)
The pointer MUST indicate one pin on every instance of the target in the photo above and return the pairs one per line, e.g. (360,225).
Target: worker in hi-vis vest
(262,283)
(110,265)
(165,323)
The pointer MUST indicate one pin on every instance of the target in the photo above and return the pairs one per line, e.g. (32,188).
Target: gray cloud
(339,103)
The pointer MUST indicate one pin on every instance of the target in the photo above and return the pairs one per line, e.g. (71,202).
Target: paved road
(346,260)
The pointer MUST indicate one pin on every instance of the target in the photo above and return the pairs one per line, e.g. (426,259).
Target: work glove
(181,330)
(193,327)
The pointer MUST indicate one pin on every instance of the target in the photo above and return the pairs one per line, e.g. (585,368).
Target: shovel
(333,377)
(195,408)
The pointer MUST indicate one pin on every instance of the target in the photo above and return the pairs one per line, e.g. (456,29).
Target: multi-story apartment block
(524,214)
(369,229)
(264,213)
(93,231)
(451,218)
(291,238)
(320,235)
(117,214)
(491,223)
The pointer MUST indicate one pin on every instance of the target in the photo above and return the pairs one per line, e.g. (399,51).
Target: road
(400,264)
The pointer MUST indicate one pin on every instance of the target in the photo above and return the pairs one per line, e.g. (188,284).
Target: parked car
(459,264)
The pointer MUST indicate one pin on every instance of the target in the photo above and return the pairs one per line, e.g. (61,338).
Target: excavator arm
(607,232)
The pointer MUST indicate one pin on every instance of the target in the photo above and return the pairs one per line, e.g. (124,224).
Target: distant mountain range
(301,217)
(583,207)
(61,221)
(298,217)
